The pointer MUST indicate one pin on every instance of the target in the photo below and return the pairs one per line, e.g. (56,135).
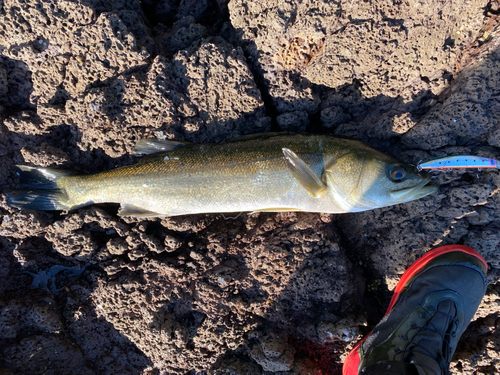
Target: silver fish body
(268,172)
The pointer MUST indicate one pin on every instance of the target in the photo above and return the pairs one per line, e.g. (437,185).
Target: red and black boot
(432,306)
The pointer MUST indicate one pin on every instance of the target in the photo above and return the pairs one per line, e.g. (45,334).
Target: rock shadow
(61,332)
(15,86)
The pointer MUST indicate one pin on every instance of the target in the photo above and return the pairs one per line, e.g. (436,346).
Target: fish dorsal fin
(304,174)
(153,146)
(134,211)
(50,174)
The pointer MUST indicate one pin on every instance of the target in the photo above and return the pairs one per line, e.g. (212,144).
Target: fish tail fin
(39,189)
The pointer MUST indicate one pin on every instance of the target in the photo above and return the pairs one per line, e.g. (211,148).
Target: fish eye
(397,173)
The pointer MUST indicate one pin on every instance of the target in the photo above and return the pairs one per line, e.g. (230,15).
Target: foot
(432,306)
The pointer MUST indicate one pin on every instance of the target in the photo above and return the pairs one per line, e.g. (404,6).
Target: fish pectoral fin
(278,209)
(134,211)
(304,174)
(153,146)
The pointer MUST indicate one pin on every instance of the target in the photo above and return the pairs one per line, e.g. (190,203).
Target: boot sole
(352,360)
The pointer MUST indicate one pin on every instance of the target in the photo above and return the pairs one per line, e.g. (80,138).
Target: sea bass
(264,172)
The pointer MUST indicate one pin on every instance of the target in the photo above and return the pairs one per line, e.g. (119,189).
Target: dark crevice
(492,8)
(213,18)
(315,125)
(154,17)
(373,302)
(168,12)
(271,110)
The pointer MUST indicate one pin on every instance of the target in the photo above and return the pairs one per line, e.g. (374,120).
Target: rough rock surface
(384,45)
(87,292)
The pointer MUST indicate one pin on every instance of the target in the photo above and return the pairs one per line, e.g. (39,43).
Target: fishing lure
(459,161)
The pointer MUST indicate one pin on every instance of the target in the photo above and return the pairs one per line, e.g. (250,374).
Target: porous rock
(274,354)
(81,82)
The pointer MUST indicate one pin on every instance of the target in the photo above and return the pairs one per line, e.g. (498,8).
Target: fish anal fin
(304,174)
(153,146)
(135,211)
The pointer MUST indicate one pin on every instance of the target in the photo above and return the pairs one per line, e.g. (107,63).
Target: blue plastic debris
(47,279)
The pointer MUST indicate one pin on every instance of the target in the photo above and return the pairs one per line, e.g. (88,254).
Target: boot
(432,306)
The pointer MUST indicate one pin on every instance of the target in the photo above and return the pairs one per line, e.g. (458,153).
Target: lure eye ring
(398,173)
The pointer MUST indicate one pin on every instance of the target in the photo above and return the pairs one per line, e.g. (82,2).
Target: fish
(270,172)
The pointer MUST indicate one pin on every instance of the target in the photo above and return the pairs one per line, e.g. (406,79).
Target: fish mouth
(415,192)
